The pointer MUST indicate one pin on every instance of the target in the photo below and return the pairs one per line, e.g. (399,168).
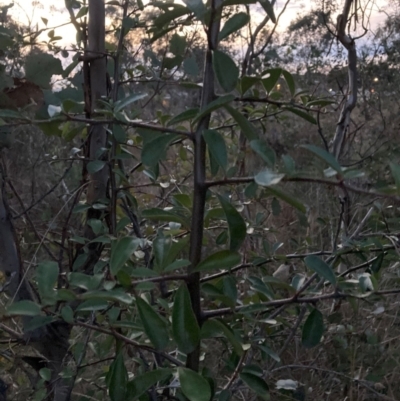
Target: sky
(33,11)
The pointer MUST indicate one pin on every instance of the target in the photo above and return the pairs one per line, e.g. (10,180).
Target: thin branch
(52,189)
(360,382)
(161,279)
(313,180)
(358,267)
(28,218)
(275,103)
(362,224)
(292,333)
(294,256)
(275,303)
(127,340)
(294,300)
(236,372)
(11,332)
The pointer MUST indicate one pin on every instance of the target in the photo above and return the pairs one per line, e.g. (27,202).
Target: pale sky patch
(26,11)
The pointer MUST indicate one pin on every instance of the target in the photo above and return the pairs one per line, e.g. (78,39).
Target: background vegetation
(196,205)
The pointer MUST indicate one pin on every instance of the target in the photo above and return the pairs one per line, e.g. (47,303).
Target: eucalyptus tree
(173,269)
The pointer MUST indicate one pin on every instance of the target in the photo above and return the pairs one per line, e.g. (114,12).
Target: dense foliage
(194,207)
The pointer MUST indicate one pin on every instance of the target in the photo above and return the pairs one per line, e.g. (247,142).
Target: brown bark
(96,88)
(200,189)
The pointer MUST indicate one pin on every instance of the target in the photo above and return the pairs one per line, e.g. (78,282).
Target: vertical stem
(351,101)
(200,189)
(114,97)
(10,262)
(98,89)
(350,45)
(97,189)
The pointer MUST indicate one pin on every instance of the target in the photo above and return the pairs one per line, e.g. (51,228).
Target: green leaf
(176,248)
(178,264)
(395,169)
(217,147)
(236,224)
(170,15)
(266,178)
(258,285)
(184,116)
(67,314)
(313,329)
(117,379)
(225,395)
(320,102)
(95,166)
(119,133)
(245,125)
(265,348)
(115,295)
(64,294)
(171,62)
(262,149)
(214,105)
(40,67)
(96,225)
(92,305)
(165,215)
(45,374)
(154,326)
(38,321)
(185,329)
(233,24)
(80,208)
(302,114)
(82,12)
(121,251)
(51,127)
(24,308)
(140,384)
(161,247)
(177,45)
(256,383)
(70,68)
(153,151)
(322,268)
(85,281)
(191,67)
(196,7)
(289,81)
(269,9)
(289,164)
(225,70)
(220,260)
(377,263)
(272,77)
(214,328)
(5,113)
(47,276)
(194,386)
(121,104)
(247,82)
(214,165)
(325,156)
(289,199)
